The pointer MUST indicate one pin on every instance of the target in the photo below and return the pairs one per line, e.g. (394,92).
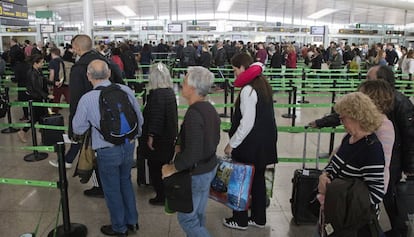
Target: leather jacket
(37,85)
(402,117)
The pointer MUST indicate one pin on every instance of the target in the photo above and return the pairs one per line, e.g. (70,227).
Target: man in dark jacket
(391,56)
(402,117)
(79,85)
(189,55)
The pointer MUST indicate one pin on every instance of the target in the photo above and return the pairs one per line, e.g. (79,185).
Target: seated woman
(360,154)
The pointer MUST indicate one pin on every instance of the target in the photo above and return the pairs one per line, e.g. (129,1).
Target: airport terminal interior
(30,197)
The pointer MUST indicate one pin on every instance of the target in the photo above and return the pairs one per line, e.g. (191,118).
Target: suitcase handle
(304,148)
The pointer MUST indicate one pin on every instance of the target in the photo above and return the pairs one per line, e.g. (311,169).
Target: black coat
(79,83)
(37,85)
(205,60)
(160,121)
(402,117)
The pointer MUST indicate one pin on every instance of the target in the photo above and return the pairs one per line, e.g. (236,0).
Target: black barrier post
(294,108)
(35,156)
(67,229)
(226,95)
(303,101)
(290,101)
(9,116)
(232,101)
(144,96)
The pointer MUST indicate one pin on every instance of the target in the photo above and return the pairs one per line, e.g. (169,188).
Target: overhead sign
(201,28)
(60,29)
(18,2)
(47,28)
(239,28)
(112,28)
(13,10)
(44,14)
(394,32)
(22,29)
(357,32)
(5,21)
(153,28)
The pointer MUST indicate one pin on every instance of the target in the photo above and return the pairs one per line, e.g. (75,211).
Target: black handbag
(178,192)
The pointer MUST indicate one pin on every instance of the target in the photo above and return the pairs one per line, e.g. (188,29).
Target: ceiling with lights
(298,12)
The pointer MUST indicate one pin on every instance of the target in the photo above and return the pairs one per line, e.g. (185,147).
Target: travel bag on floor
(304,182)
(51,136)
(232,184)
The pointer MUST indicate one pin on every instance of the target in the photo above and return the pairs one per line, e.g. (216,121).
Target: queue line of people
(254,117)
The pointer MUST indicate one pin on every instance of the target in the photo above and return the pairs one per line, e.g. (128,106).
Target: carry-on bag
(304,182)
(51,136)
(232,184)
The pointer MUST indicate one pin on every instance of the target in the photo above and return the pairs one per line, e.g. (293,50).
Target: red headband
(249,74)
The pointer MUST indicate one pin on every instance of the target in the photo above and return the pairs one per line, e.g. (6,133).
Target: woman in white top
(407,65)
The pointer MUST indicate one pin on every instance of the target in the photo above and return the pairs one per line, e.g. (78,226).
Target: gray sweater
(199,137)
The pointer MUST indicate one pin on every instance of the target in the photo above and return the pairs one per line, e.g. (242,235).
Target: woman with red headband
(253,136)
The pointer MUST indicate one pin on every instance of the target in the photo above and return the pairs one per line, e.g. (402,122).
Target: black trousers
(258,201)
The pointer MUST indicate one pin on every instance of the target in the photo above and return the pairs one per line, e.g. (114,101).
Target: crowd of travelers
(378,120)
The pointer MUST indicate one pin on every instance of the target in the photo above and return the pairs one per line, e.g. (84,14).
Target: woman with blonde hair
(380,58)
(360,155)
(160,127)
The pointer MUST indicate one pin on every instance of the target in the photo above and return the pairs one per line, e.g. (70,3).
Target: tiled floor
(22,207)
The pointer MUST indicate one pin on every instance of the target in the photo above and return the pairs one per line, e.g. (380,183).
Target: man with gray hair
(115,160)
(198,140)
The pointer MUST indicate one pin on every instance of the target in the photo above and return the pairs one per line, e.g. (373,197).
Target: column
(88,17)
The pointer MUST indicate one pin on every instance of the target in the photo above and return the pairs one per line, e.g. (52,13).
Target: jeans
(115,172)
(193,223)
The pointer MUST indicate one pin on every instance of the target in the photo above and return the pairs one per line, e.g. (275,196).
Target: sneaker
(231,223)
(253,223)
(22,136)
(94,192)
(55,163)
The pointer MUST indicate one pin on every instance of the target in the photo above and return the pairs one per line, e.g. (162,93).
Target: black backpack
(119,120)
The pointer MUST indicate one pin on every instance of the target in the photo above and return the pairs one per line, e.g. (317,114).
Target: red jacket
(291,60)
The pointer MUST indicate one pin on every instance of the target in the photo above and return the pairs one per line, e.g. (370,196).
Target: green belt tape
(14,125)
(300,160)
(322,105)
(38,104)
(51,127)
(23,125)
(39,148)
(33,183)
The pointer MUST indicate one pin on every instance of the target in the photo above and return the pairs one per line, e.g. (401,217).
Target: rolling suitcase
(51,136)
(304,182)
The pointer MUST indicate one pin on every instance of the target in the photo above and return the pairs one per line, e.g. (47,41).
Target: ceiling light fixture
(321,13)
(125,10)
(225,5)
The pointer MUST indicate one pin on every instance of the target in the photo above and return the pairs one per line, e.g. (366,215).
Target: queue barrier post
(68,229)
(36,155)
(290,101)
